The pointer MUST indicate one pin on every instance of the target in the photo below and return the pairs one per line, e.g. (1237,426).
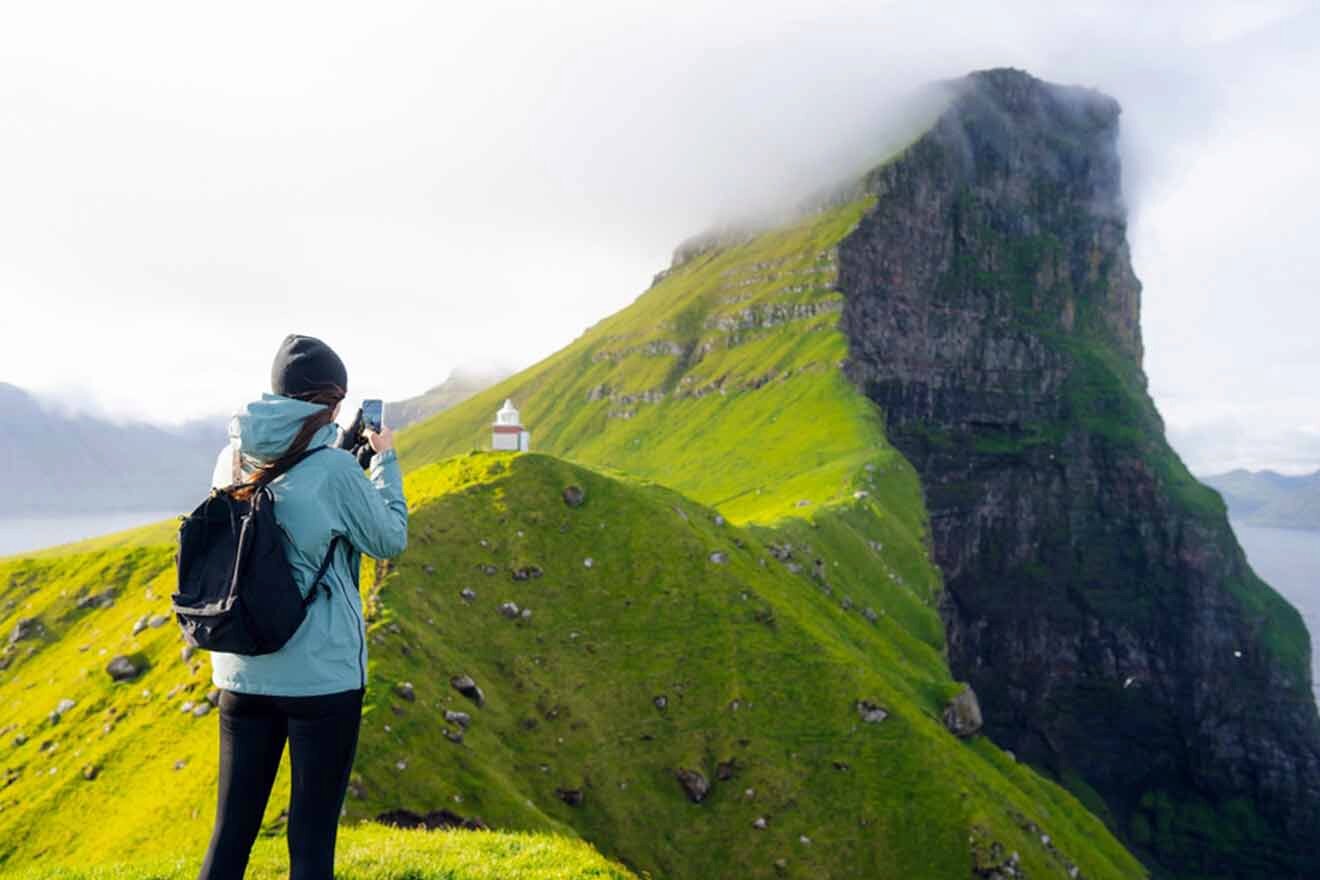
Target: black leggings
(322,733)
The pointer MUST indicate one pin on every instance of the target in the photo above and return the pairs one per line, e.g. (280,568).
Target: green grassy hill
(746,578)
(761,668)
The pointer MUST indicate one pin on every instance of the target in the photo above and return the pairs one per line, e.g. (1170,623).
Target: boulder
(123,668)
(468,688)
(694,784)
(871,713)
(963,714)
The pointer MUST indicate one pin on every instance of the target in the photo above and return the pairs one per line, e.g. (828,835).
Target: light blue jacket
(322,496)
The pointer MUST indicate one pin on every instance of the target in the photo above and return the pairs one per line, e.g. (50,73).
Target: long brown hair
(328,395)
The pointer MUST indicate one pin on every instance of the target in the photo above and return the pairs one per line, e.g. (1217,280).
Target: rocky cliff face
(1095,595)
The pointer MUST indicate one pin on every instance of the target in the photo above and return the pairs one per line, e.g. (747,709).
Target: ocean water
(1289,560)
(18,535)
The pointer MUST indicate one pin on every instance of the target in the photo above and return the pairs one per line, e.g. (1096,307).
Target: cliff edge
(1096,597)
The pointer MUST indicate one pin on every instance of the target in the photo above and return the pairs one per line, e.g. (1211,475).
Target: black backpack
(236,588)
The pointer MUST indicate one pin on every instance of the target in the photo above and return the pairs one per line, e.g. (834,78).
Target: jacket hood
(266,427)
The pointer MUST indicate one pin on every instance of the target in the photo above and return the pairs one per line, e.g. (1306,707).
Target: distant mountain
(1266,498)
(53,463)
(462,383)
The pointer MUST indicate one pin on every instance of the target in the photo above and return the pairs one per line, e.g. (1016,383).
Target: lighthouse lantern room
(508,433)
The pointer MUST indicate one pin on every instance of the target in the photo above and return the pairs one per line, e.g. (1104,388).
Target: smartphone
(373,415)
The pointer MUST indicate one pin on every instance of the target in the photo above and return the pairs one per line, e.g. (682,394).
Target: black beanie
(305,364)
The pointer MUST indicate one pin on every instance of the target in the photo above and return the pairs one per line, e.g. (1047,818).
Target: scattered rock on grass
(467,594)
(509,609)
(141,624)
(404,690)
(527,572)
(89,771)
(570,796)
(157,621)
(468,688)
(103,599)
(123,668)
(661,702)
(201,709)
(574,496)
(760,823)
(871,713)
(719,557)
(187,653)
(462,719)
(694,784)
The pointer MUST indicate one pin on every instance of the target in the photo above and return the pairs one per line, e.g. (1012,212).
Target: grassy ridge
(720,381)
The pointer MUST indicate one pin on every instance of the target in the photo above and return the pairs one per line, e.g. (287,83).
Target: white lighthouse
(508,433)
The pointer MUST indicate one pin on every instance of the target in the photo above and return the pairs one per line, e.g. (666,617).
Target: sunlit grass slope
(720,381)
(761,658)
(370,852)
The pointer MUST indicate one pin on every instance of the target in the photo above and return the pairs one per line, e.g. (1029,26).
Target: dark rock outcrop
(1096,598)
(432,821)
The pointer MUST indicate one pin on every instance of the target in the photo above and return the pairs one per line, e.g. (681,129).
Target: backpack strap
(320,573)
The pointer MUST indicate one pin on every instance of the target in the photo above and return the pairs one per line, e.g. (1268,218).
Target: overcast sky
(426,185)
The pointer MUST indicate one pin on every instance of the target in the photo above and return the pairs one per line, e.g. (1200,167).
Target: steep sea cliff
(1096,596)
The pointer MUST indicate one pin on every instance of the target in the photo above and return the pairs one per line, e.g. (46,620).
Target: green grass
(372,852)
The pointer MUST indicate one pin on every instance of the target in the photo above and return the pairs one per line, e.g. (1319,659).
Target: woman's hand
(382,440)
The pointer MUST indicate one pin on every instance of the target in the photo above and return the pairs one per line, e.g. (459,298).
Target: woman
(310,691)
